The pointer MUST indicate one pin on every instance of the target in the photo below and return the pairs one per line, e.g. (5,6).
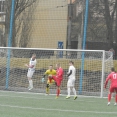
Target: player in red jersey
(113,85)
(58,78)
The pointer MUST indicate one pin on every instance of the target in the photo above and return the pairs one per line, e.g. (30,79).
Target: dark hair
(112,69)
(71,62)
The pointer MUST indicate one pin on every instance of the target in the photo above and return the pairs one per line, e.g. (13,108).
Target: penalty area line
(33,93)
(59,110)
(46,98)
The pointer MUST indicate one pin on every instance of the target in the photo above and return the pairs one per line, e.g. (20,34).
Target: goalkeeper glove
(42,80)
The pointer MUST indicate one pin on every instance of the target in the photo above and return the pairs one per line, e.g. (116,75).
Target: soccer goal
(92,67)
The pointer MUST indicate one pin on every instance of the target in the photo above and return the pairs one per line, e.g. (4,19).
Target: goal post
(103,71)
(82,72)
(91,69)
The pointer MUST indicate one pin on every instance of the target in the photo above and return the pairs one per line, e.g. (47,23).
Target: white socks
(69,91)
(74,91)
(30,83)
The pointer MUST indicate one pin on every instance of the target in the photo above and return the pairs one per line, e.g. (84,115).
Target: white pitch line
(32,93)
(43,98)
(23,97)
(60,110)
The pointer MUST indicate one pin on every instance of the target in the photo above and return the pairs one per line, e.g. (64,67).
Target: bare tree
(26,27)
(103,22)
(19,19)
(110,15)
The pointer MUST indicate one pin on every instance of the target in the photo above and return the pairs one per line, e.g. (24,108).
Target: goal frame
(75,50)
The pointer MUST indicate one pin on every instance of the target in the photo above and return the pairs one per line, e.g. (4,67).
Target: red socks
(58,92)
(116,98)
(109,97)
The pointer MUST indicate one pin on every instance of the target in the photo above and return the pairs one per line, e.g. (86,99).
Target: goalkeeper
(50,81)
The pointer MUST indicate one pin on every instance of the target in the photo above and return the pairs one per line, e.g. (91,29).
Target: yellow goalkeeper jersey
(50,72)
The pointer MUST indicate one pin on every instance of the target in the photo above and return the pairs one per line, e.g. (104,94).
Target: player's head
(50,67)
(71,63)
(58,65)
(112,69)
(33,56)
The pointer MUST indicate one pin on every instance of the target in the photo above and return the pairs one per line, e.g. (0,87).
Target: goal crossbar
(92,67)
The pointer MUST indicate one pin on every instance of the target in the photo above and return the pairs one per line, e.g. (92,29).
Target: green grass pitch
(14,104)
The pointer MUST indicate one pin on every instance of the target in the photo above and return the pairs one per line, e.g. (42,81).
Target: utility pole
(10,41)
(84,43)
(69,24)
(80,35)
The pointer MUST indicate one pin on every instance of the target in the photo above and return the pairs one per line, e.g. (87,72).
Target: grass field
(14,104)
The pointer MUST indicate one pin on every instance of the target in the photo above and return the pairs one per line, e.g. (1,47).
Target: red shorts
(113,89)
(57,80)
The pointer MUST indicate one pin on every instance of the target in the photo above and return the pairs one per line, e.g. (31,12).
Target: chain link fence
(46,23)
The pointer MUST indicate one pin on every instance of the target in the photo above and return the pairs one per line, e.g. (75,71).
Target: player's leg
(58,82)
(48,87)
(31,83)
(73,89)
(50,81)
(29,75)
(109,98)
(57,92)
(68,91)
(109,95)
(68,88)
(115,96)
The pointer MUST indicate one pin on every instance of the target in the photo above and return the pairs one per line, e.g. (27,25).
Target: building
(49,24)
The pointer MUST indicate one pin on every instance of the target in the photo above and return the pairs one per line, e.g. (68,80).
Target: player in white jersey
(31,69)
(71,80)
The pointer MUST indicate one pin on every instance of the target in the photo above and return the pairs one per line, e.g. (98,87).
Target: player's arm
(30,66)
(69,73)
(43,78)
(106,82)
(44,75)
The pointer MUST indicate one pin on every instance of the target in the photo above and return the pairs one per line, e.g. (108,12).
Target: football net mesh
(14,73)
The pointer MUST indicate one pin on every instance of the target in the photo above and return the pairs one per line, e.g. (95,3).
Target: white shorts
(71,82)
(30,73)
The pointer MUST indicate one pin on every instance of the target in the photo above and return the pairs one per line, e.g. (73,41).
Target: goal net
(92,67)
